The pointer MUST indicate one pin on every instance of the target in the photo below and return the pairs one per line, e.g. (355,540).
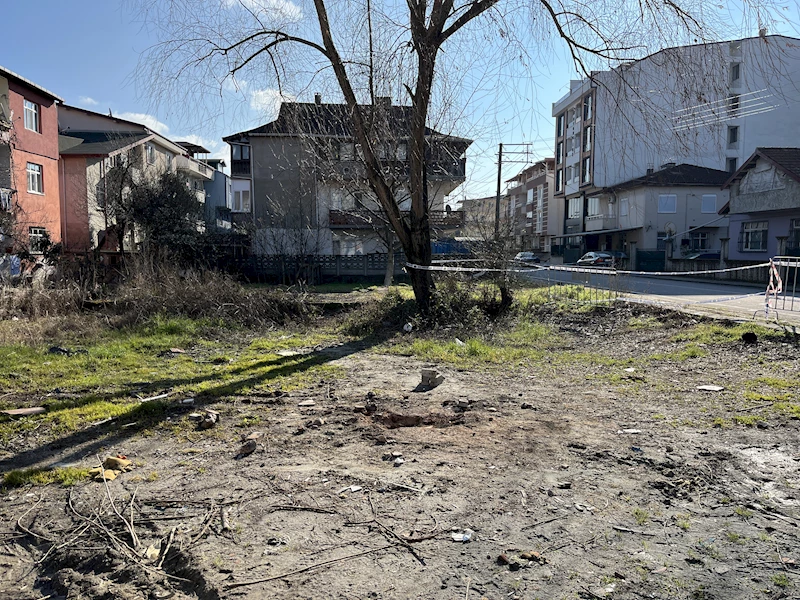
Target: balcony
(194,168)
(364,219)
(240,168)
(600,223)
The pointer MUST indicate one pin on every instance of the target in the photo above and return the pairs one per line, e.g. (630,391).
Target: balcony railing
(600,223)
(240,168)
(364,219)
(195,167)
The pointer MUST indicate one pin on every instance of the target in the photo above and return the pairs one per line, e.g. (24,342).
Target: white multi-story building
(709,105)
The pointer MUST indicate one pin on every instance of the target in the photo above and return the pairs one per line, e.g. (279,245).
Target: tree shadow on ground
(92,439)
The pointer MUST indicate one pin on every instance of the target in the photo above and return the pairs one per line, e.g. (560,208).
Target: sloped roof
(677,176)
(11,75)
(785,159)
(98,142)
(332,120)
(193,148)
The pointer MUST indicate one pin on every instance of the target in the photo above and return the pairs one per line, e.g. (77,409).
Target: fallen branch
(627,530)
(532,525)
(231,586)
(277,508)
(28,531)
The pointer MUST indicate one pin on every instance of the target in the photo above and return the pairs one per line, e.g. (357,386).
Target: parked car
(596,259)
(527,257)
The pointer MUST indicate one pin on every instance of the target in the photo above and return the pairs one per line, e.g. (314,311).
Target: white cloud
(279,10)
(268,101)
(87,101)
(148,121)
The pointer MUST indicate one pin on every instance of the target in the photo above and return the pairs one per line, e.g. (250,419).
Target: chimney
(318,99)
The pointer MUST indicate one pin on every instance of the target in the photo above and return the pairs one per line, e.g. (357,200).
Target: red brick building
(29,178)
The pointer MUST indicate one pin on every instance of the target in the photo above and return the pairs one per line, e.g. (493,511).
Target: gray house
(299,183)
(764,207)
(669,213)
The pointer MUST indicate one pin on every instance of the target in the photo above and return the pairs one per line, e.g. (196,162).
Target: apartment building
(707,105)
(533,220)
(29,182)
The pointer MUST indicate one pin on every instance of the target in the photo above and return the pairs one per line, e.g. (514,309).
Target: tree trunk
(422,284)
(389,275)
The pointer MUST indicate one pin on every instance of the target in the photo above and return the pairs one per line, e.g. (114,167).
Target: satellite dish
(670,229)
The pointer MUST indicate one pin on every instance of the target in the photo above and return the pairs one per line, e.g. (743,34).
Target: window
(793,243)
(151,154)
(753,237)
(709,204)
(661,240)
(240,152)
(587,139)
(559,178)
(560,125)
(587,170)
(31,116)
(569,146)
(587,108)
(530,196)
(699,240)
(574,210)
(733,135)
(402,151)
(667,203)
(559,152)
(38,238)
(736,73)
(35,183)
(540,197)
(731,164)
(733,105)
(169,160)
(568,175)
(347,151)
(593,207)
(241,201)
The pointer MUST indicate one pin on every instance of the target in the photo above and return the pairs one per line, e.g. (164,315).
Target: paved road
(737,301)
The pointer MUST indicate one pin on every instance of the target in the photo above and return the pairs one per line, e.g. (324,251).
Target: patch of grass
(644,322)
(773,382)
(781,580)
(716,333)
(720,422)
(683,522)
(66,476)
(640,515)
(658,417)
(743,512)
(689,352)
(747,420)
(735,538)
(136,361)
(789,408)
(249,421)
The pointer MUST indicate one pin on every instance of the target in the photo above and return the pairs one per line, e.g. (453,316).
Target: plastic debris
(464,536)
(630,431)
(408,327)
(710,388)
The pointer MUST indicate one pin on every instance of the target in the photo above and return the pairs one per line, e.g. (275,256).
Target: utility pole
(520,154)
(497,199)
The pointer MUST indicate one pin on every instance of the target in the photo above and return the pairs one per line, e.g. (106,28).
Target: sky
(87,51)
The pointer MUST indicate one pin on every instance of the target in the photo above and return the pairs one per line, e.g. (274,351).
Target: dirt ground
(564,480)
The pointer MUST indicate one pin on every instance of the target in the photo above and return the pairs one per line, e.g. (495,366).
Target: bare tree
(405,49)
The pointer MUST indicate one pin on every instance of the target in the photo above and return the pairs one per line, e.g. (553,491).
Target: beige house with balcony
(95,151)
